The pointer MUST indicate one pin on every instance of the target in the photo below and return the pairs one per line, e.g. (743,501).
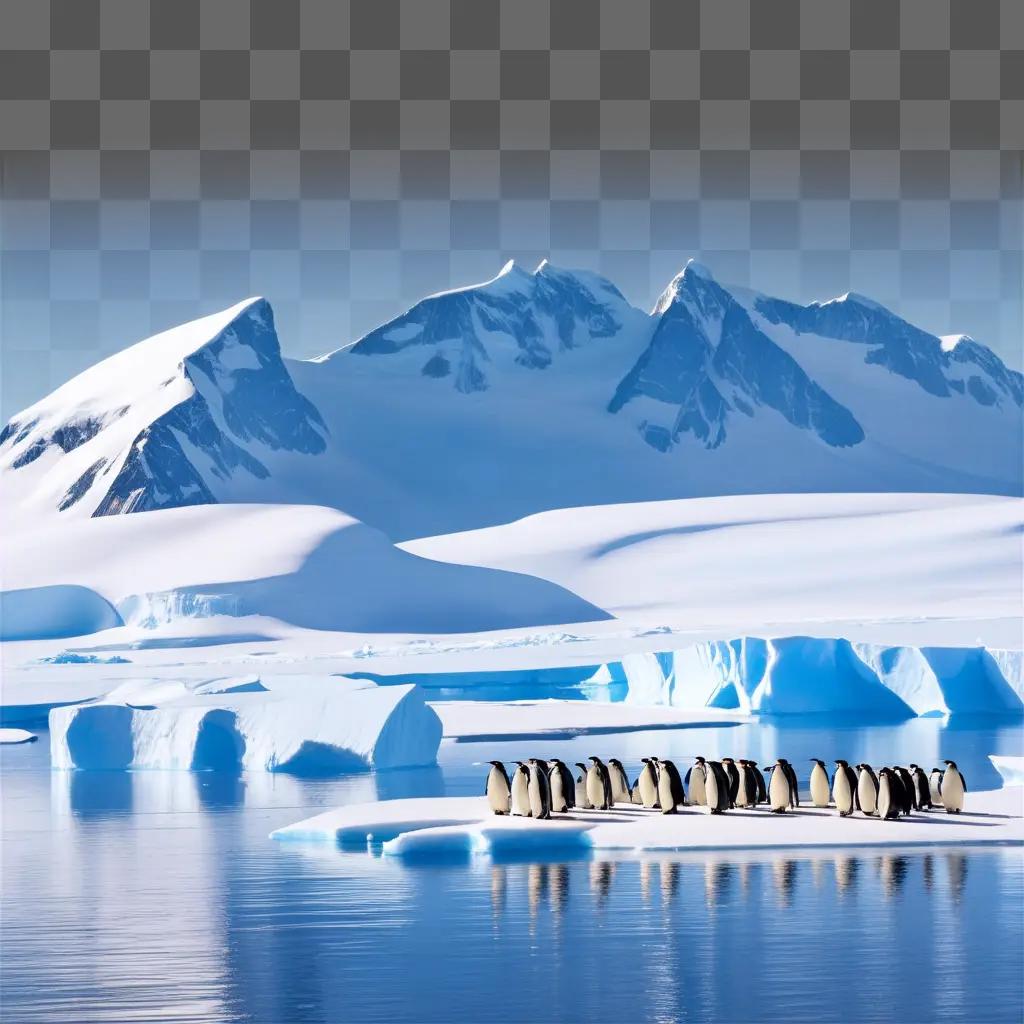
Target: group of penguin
(539,788)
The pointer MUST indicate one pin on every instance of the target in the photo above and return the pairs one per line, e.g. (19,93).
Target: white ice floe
(460,826)
(313,725)
(1011,769)
(17,736)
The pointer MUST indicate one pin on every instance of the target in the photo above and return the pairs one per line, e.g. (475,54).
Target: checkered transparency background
(344,157)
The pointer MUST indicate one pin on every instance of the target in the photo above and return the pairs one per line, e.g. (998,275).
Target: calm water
(157,896)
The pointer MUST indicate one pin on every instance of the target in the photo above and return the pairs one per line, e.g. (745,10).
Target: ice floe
(17,736)
(1011,769)
(309,726)
(462,826)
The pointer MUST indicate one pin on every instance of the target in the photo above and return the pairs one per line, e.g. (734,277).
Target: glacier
(311,726)
(801,675)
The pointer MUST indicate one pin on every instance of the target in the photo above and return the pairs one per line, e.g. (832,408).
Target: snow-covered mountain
(532,391)
(172,421)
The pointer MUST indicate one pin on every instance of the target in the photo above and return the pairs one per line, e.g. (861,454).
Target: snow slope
(306,566)
(741,564)
(187,417)
(312,726)
(530,392)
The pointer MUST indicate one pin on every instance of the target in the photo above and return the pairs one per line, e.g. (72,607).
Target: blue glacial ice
(809,675)
(305,726)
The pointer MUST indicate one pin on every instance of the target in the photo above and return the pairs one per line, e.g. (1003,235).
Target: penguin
(498,789)
(867,789)
(670,788)
(634,794)
(819,783)
(647,783)
(794,785)
(582,800)
(539,789)
(695,782)
(563,787)
(620,784)
(521,791)
(952,788)
(716,787)
(844,789)
(734,778)
(935,786)
(888,800)
(909,796)
(762,789)
(599,785)
(746,795)
(921,789)
(780,795)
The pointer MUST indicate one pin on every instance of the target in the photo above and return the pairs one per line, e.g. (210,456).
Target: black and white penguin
(563,786)
(498,789)
(794,784)
(935,786)
(716,787)
(867,789)
(909,796)
(762,788)
(888,796)
(694,780)
(599,785)
(648,783)
(634,793)
(921,788)
(746,795)
(539,789)
(780,790)
(819,783)
(733,774)
(582,800)
(620,783)
(670,788)
(521,791)
(844,788)
(952,788)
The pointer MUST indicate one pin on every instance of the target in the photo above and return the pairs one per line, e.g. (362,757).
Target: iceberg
(306,726)
(813,675)
(460,827)
(13,736)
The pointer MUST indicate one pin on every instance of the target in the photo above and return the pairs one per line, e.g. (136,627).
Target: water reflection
(602,873)
(892,874)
